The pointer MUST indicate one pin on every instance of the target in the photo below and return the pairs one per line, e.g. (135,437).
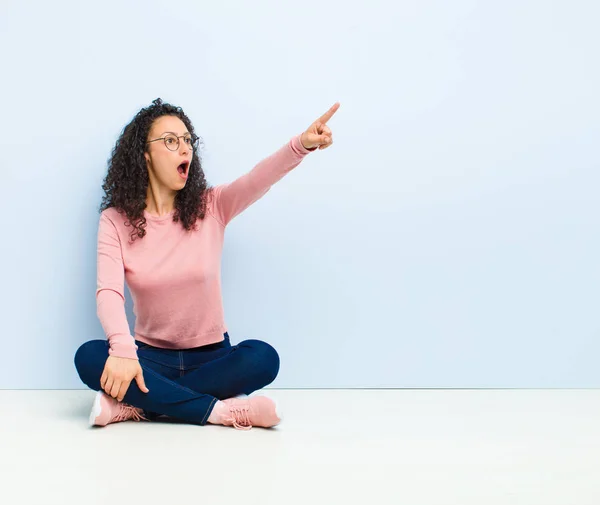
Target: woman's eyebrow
(186,133)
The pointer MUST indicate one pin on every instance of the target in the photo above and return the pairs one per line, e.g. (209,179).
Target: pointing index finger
(327,116)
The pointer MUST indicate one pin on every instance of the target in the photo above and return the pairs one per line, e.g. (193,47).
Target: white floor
(484,447)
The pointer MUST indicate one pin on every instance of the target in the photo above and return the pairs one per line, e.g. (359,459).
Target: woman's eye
(170,140)
(188,140)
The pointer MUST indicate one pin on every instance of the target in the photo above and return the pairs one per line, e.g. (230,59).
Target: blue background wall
(449,238)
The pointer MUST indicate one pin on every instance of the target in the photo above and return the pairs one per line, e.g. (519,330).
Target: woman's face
(168,164)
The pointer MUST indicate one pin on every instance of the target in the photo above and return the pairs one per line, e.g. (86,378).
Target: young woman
(161,230)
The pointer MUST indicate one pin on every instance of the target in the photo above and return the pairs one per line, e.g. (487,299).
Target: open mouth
(183,168)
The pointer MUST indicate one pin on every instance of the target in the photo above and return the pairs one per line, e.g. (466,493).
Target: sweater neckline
(153,217)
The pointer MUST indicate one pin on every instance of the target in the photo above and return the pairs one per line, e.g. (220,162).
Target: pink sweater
(174,275)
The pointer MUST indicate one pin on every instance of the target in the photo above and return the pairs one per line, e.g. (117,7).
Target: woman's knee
(89,361)
(264,359)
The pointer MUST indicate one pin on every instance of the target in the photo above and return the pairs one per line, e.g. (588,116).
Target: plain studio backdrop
(449,237)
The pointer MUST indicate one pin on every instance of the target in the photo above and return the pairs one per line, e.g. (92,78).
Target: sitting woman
(161,230)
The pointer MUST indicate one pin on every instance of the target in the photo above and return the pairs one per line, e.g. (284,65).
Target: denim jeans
(186,383)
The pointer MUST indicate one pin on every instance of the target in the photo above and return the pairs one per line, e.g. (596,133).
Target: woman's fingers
(114,392)
(325,130)
(326,141)
(327,116)
(122,390)
(139,378)
(325,146)
(325,136)
(108,385)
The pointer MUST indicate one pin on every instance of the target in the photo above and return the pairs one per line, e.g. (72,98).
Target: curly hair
(126,182)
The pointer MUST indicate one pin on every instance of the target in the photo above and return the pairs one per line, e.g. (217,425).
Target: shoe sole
(96,409)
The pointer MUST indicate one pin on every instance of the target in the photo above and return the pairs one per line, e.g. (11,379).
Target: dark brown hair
(126,182)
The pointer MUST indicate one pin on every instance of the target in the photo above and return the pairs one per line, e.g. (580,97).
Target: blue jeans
(186,383)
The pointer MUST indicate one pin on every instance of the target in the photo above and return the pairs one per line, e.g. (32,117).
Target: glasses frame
(194,138)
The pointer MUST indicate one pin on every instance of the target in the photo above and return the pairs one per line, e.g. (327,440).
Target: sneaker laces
(127,412)
(240,417)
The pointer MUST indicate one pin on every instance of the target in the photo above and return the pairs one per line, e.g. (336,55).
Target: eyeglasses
(172,141)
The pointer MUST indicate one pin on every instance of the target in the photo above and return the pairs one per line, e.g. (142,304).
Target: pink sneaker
(107,410)
(244,413)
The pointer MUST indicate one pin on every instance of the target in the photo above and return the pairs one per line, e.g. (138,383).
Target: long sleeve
(110,298)
(233,198)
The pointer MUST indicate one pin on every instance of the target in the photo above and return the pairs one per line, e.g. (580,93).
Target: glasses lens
(172,142)
(191,142)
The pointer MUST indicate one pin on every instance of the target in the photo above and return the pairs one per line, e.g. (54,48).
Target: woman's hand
(318,134)
(118,374)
